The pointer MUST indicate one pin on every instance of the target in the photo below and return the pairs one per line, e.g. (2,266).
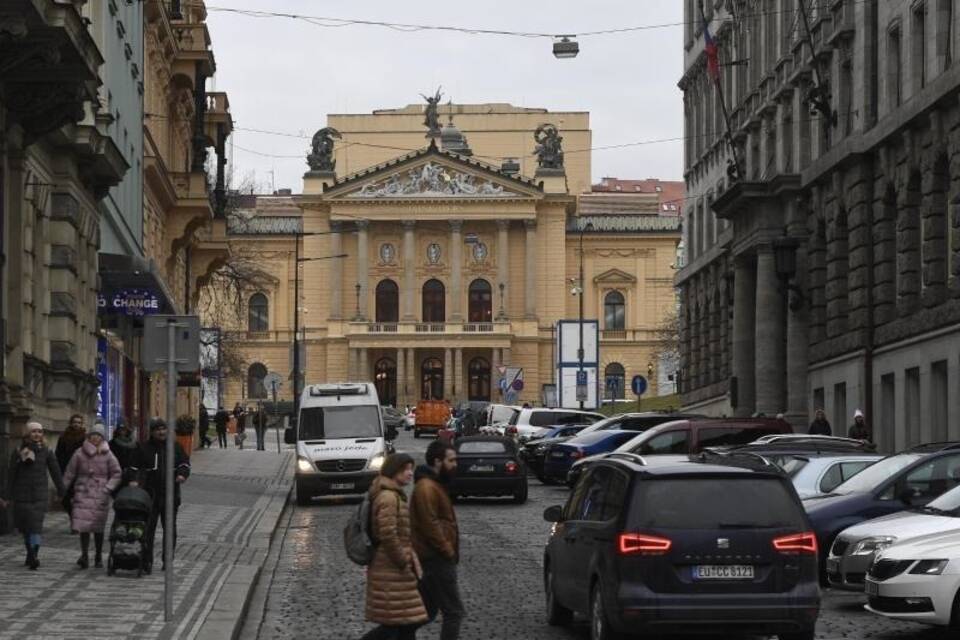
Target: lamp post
(357,316)
(580,289)
(503,314)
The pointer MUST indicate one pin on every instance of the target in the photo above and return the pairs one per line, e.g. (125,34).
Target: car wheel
(557,614)
(303,498)
(520,495)
(599,625)
(955,616)
(809,634)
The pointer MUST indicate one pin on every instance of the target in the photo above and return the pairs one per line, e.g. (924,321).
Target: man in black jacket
(820,425)
(220,420)
(151,464)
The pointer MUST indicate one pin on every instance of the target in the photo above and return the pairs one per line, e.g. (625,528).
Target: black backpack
(357,539)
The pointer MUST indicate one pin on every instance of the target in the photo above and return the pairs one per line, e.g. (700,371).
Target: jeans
(157,515)
(383,632)
(222,438)
(261,438)
(441,593)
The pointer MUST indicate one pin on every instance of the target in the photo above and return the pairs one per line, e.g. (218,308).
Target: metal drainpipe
(870,329)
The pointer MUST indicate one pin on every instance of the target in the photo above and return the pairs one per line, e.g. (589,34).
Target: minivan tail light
(511,467)
(635,543)
(796,543)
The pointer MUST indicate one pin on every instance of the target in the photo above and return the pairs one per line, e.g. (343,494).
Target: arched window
(480,304)
(615,379)
(258,319)
(255,375)
(388,301)
(614,316)
(432,379)
(385,379)
(434,302)
(479,387)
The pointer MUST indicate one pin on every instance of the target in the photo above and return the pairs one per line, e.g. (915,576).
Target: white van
(340,439)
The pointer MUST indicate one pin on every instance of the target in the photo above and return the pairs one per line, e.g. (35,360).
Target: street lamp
(357,317)
(581,394)
(503,314)
(566,48)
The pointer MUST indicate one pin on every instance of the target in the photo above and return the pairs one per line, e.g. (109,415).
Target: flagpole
(723,103)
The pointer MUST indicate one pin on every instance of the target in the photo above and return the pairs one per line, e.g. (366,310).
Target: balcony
(193,46)
(191,211)
(217,115)
(624,335)
(431,328)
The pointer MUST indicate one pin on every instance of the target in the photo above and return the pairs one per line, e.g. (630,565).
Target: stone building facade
(827,275)
(455,266)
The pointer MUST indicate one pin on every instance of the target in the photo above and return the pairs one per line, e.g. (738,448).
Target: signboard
(129,302)
(639,385)
(155,343)
(272,382)
(511,384)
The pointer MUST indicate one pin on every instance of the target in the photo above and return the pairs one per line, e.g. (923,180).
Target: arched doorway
(434,301)
(480,302)
(255,376)
(385,380)
(431,376)
(388,301)
(615,379)
(479,386)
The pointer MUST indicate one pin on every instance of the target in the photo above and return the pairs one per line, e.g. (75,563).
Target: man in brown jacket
(436,539)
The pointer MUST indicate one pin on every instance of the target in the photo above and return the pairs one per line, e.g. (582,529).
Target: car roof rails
(711,456)
(627,455)
(810,445)
(933,447)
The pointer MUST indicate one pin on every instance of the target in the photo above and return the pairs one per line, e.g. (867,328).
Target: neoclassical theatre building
(437,246)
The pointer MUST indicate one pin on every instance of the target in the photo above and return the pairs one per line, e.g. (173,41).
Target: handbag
(239,438)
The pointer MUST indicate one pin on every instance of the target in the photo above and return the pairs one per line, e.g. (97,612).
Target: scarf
(28,451)
(127,442)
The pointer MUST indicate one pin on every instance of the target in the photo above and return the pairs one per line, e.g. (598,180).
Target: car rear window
(482,447)
(715,503)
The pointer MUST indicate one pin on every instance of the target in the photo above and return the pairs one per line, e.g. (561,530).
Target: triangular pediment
(432,174)
(615,276)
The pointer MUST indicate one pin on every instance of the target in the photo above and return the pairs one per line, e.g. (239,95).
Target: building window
(479,387)
(258,319)
(912,409)
(614,316)
(895,67)
(939,401)
(886,436)
(255,376)
(480,306)
(615,378)
(431,375)
(840,416)
(919,42)
(385,380)
(388,301)
(945,33)
(434,302)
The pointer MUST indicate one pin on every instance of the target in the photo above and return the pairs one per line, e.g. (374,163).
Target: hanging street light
(566,47)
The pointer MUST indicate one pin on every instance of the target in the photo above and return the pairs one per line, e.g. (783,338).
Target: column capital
(362,225)
(336,226)
(456,225)
(530,224)
(409,225)
(503,225)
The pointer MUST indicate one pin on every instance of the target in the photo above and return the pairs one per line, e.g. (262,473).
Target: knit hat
(857,414)
(34,426)
(98,428)
(157,423)
(395,463)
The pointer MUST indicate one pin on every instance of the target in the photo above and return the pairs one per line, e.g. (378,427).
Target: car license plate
(557,454)
(340,486)
(723,572)
(871,588)
(482,468)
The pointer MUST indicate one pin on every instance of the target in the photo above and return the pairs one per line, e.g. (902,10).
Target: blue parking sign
(639,385)
(582,378)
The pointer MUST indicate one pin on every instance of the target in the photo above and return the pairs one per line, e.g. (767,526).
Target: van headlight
(304,465)
(376,461)
(868,546)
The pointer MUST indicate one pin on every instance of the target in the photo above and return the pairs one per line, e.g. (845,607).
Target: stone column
(363,368)
(363,267)
(447,374)
(413,372)
(797,350)
(409,270)
(503,261)
(351,364)
(456,271)
(459,391)
(530,256)
(336,272)
(770,344)
(744,323)
(401,379)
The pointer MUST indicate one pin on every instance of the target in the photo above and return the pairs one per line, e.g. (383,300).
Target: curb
(225,619)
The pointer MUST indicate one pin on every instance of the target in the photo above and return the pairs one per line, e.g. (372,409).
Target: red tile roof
(671,192)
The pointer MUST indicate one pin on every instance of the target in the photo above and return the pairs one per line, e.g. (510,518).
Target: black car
(489,466)
(716,544)
(533,451)
(392,422)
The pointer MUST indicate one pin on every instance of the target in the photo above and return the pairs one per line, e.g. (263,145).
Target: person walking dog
(94,473)
(28,490)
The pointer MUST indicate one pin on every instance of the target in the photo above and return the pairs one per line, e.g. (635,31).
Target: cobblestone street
(317,592)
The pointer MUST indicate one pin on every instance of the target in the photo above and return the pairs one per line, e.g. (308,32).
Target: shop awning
(131,286)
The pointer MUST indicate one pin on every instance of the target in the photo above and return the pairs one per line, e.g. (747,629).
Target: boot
(84,561)
(26,562)
(98,560)
(33,559)
(98,549)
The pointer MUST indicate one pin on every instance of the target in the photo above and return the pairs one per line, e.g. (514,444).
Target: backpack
(357,540)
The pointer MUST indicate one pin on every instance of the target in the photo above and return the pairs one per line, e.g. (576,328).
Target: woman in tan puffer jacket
(393,599)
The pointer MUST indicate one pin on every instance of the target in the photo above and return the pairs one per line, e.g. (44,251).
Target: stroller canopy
(132,500)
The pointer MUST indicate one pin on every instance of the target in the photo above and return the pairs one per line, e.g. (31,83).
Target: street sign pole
(275,413)
(639,387)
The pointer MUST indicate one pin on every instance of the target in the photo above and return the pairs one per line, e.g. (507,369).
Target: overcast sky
(287,75)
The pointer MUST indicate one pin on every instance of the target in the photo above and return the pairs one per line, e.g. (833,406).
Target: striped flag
(710,47)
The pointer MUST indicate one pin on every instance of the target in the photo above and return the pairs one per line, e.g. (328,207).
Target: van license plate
(340,486)
(871,588)
(482,468)
(723,572)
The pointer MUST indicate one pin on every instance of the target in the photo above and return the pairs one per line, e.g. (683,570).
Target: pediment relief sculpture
(432,180)
(615,276)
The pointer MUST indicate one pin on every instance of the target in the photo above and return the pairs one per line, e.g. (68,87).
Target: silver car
(813,476)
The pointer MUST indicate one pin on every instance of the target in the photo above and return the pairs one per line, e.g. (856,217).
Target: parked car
(500,414)
(814,476)
(410,419)
(854,549)
(560,457)
(912,478)
(684,546)
(525,423)
(392,422)
(533,451)
(918,580)
(432,416)
(690,436)
(489,466)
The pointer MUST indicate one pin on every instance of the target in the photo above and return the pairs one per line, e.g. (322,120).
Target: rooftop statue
(321,150)
(549,150)
(431,117)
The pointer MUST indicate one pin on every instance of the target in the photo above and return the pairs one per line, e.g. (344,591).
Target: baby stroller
(131,509)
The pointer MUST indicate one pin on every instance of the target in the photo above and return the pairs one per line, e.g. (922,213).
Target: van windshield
(319,423)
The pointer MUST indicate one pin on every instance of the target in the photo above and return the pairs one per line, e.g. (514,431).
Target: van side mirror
(391,434)
(553,514)
(290,435)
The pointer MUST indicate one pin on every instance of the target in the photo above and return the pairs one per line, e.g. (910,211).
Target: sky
(286,75)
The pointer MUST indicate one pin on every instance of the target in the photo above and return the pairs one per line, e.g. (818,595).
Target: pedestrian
(71,440)
(820,425)
(239,416)
(220,420)
(260,427)
(123,445)
(28,490)
(94,473)
(393,600)
(151,462)
(436,538)
(859,429)
(204,427)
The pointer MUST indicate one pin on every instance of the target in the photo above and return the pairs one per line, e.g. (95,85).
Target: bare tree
(666,347)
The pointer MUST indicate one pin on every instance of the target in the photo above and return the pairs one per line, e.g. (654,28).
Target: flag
(710,47)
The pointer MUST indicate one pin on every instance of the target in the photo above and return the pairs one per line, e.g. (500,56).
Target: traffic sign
(518,384)
(581,378)
(639,385)
(272,382)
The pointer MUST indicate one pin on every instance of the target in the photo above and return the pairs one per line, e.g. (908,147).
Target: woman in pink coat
(94,472)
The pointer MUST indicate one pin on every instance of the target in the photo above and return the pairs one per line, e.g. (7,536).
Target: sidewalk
(231,506)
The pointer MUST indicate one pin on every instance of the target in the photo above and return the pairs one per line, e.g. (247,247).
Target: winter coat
(220,420)
(124,449)
(393,598)
(433,523)
(821,428)
(68,443)
(150,461)
(94,473)
(28,488)
(859,431)
(204,420)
